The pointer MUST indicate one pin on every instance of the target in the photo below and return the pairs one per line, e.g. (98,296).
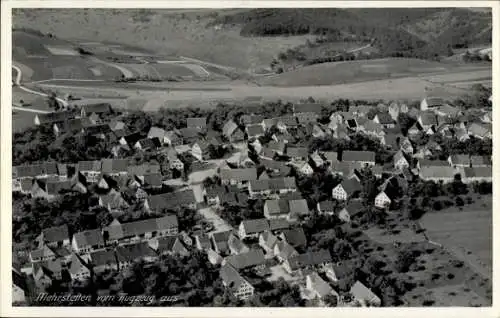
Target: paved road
(210,215)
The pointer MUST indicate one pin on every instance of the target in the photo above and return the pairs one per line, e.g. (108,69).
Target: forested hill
(395,31)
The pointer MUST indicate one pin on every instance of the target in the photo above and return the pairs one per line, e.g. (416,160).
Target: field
(369,70)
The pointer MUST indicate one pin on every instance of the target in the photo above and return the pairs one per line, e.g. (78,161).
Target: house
(278,225)
(19,288)
(87,241)
(147,144)
(480,131)
(283,251)
(54,117)
(236,246)
(286,122)
(307,260)
(199,123)
(364,296)
(295,237)
(113,201)
(385,120)
(157,132)
(305,168)
(318,287)
(480,161)
(44,273)
(188,135)
(252,258)
(276,209)
(252,227)
(346,189)
(220,241)
(395,109)
(172,138)
(350,210)
(54,236)
(247,120)
(330,157)
(114,167)
(360,157)
(254,131)
(267,240)
(103,260)
(415,130)
(476,174)
(169,245)
(325,207)
(405,145)
(427,120)
(297,208)
(339,271)
(170,200)
(400,161)
(307,117)
(445,174)
(267,187)
(126,255)
(232,132)
(99,109)
(459,160)
(146,229)
(238,177)
(214,258)
(78,269)
(51,189)
(277,147)
(113,233)
(371,128)
(318,132)
(391,141)
(431,102)
(44,253)
(202,242)
(201,150)
(382,200)
(238,285)
(307,107)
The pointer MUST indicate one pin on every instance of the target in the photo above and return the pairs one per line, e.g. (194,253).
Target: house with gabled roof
(364,296)
(252,119)
(427,120)
(127,255)
(480,131)
(318,131)
(254,131)
(115,167)
(480,161)
(170,200)
(19,288)
(400,161)
(252,258)
(339,271)
(318,287)
(295,237)
(385,120)
(44,253)
(54,236)
(267,240)
(360,157)
(297,153)
(431,102)
(307,260)
(238,285)
(459,160)
(78,269)
(236,246)
(350,210)
(147,144)
(252,227)
(202,242)
(276,209)
(346,189)
(103,260)
(283,251)
(201,150)
(172,138)
(220,241)
(87,241)
(305,118)
(307,107)
(382,200)
(197,122)
(53,117)
(325,207)
(445,174)
(98,108)
(476,174)
(238,177)
(113,201)
(171,245)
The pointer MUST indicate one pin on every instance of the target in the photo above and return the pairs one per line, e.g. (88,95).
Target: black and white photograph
(251,156)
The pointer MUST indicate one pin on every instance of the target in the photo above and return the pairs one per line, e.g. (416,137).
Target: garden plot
(62,50)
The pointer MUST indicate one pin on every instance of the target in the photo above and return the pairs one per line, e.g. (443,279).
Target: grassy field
(369,70)
(467,234)
(171,33)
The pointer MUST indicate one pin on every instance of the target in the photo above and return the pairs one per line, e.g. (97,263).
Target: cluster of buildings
(265,168)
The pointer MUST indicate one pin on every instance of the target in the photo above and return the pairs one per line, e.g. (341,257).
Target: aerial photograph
(252,157)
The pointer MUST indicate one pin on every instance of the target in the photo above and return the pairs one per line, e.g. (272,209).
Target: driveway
(219,224)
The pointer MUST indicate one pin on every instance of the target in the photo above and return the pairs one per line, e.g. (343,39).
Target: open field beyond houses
(467,234)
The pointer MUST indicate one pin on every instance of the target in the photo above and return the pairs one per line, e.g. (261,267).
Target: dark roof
(114,165)
(149,143)
(103,257)
(170,244)
(56,187)
(255,225)
(133,252)
(97,108)
(278,224)
(480,160)
(171,200)
(297,152)
(277,207)
(295,237)
(434,101)
(433,163)
(143,169)
(35,169)
(354,207)
(98,129)
(73,125)
(310,259)
(243,174)
(231,278)
(351,186)
(55,117)
(153,179)
(478,172)
(251,119)
(290,121)
(254,130)
(90,165)
(244,260)
(385,118)
(326,205)
(134,137)
(55,234)
(357,156)
(428,118)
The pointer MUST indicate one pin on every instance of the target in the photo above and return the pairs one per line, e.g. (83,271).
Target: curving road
(17,81)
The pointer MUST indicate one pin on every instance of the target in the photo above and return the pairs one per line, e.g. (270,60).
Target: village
(255,164)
